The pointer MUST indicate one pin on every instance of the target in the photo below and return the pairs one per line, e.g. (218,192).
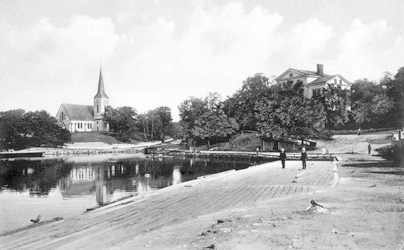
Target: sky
(159,53)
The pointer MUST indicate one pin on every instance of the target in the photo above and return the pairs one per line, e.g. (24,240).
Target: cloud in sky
(154,59)
(363,48)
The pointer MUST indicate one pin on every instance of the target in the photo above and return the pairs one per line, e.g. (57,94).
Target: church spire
(101,91)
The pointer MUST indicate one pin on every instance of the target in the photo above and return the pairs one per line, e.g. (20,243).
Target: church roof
(101,90)
(79,112)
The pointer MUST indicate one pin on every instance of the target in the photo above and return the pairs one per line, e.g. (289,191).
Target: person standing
(369,149)
(323,150)
(304,157)
(282,157)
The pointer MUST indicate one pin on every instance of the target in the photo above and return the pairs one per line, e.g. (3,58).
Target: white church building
(85,118)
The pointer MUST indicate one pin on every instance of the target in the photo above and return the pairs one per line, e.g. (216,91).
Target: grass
(246,142)
(93,137)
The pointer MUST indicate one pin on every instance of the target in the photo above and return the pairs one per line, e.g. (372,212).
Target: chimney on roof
(320,70)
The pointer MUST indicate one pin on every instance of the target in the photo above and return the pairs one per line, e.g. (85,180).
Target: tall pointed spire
(101,91)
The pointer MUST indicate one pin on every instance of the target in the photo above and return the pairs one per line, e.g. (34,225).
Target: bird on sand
(315,204)
(37,219)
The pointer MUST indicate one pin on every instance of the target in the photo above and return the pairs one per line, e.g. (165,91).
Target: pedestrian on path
(304,157)
(323,150)
(282,157)
(369,148)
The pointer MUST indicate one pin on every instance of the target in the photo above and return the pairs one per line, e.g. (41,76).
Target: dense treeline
(20,129)
(273,110)
(281,111)
(128,124)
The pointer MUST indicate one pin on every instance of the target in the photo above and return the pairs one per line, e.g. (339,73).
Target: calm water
(63,187)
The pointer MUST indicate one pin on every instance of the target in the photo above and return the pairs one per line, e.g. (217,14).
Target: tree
(289,115)
(43,129)
(364,90)
(122,120)
(373,105)
(214,123)
(395,91)
(164,115)
(336,103)
(143,124)
(154,124)
(21,130)
(204,119)
(241,104)
(189,111)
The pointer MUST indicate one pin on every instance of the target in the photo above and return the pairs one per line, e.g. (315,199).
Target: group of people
(303,157)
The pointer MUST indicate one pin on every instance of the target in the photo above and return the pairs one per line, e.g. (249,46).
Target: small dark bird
(315,204)
(37,219)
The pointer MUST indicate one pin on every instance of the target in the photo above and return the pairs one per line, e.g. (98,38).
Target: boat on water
(22,153)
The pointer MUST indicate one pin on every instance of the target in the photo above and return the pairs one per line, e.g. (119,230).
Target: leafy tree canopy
(122,120)
(205,119)
(21,130)
(289,115)
(241,104)
(336,103)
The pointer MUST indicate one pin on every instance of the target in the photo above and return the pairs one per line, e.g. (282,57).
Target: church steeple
(101,91)
(101,102)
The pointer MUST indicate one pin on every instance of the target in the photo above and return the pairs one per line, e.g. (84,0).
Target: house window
(335,81)
(340,82)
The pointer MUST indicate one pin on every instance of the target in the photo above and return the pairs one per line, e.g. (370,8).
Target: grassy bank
(93,137)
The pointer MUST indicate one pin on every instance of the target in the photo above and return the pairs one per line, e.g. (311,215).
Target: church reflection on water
(108,179)
(112,181)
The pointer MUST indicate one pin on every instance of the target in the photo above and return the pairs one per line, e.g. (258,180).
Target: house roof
(326,78)
(309,72)
(79,112)
(304,72)
(101,90)
(322,79)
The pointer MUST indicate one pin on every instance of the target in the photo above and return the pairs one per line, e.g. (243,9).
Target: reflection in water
(176,174)
(104,180)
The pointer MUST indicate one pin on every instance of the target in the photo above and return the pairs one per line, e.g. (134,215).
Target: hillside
(246,142)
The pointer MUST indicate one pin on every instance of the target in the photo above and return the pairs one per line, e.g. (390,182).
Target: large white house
(313,80)
(85,118)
